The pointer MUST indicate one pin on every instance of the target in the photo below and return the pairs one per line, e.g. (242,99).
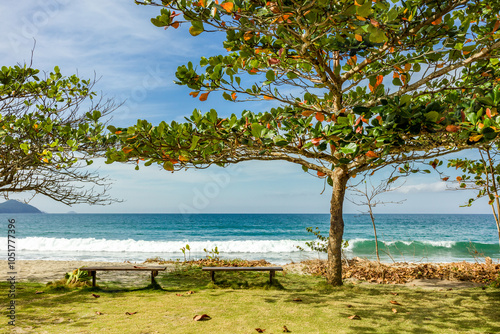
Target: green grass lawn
(243,301)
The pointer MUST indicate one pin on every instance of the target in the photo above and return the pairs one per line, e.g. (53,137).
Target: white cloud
(423,187)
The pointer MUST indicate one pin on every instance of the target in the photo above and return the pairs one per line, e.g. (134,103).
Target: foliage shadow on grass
(446,316)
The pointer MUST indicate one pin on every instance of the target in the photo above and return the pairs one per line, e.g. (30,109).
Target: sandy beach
(44,271)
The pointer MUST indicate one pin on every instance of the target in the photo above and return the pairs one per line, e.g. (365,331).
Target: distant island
(14,206)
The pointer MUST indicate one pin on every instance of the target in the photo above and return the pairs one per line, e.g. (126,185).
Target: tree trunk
(374,231)
(334,266)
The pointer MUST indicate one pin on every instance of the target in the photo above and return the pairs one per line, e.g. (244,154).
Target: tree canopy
(353,86)
(46,141)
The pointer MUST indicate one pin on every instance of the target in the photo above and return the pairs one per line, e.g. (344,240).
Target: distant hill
(13,206)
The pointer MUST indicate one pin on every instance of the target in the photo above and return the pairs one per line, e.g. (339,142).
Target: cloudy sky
(136,63)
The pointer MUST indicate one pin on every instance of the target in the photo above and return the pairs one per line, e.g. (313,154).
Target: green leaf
(24,147)
(360,110)
(196,30)
(168,166)
(194,142)
(349,149)
(157,22)
(256,130)
(270,75)
(392,14)
(405,99)
(365,10)
(397,82)
(280,141)
(432,116)
(378,36)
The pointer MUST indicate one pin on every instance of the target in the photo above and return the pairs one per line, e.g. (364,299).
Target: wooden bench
(271,270)
(154,270)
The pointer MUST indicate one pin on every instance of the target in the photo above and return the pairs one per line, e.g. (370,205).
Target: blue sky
(136,63)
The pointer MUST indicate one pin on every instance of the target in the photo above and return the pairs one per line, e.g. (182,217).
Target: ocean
(273,237)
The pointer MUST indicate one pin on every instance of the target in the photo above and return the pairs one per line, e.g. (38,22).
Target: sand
(44,271)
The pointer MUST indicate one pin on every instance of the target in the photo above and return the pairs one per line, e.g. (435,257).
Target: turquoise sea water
(274,237)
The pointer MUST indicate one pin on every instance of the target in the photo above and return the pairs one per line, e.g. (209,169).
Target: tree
(483,175)
(353,86)
(368,196)
(46,141)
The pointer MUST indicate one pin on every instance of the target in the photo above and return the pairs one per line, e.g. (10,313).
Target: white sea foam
(352,244)
(447,244)
(142,246)
(360,244)
(42,244)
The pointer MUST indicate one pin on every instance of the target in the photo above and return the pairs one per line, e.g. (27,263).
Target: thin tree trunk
(374,232)
(493,178)
(334,268)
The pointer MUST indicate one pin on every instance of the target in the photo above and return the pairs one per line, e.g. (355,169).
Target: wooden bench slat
(129,268)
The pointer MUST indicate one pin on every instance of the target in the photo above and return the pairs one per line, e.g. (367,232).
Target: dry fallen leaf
(286,330)
(189,292)
(394,302)
(95,296)
(354,317)
(394,310)
(394,293)
(260,330)
(297,300)
(130,313)
(99,313)
(202,317)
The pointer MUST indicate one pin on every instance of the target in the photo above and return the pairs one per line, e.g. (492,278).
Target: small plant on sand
(212,254)
(321,244)
(184,249)
(77,278)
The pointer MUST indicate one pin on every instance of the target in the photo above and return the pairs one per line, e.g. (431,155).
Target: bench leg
(212,276)
(154,273)
(93,274)
(271,276)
